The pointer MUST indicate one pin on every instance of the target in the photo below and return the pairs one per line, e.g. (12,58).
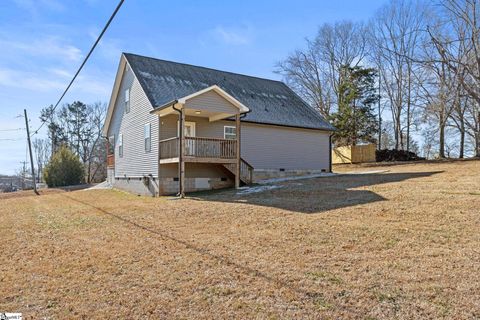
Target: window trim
(231,134)
(149,125)
(127,100)
(120,145)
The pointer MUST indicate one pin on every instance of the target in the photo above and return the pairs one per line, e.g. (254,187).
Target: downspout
(179,146)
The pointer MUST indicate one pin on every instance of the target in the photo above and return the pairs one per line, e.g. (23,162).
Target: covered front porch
(183,121)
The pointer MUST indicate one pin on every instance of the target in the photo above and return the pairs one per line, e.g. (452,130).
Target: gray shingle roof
(269,101)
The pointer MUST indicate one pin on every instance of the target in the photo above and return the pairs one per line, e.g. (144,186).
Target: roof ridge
(202,67)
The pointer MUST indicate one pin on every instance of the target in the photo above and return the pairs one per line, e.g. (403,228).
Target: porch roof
(236,106)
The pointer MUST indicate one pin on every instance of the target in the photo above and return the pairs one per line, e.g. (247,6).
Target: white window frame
(127,100)
(120,145)
(147,134)
(225,134)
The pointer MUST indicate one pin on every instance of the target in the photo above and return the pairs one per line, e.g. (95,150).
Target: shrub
(64,169)
(396,155)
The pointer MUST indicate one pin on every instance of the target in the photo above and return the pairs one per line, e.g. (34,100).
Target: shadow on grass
(242,267)
(315,195)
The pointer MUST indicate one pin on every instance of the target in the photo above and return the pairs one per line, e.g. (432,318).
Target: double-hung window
(120,145)
(229,133)
(127,100)
(147,133)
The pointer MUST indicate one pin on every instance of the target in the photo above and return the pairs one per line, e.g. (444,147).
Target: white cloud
(60,72)
(49,46)
(34,6)
(54,81)
(28,80)
(234,36)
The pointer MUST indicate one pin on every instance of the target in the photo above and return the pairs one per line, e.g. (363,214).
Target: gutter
(168,104)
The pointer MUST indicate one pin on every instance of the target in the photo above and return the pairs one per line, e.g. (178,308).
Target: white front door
(189,143)
(189,129)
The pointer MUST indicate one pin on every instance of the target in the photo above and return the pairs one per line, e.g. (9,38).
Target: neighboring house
(175,128)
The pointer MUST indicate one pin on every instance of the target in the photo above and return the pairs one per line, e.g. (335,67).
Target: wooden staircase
(246,171)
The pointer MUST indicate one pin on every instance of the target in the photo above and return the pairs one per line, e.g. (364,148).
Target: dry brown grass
(27,193)
(402,244)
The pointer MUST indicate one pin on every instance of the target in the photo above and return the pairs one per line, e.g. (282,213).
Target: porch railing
(199,147)
(169,148)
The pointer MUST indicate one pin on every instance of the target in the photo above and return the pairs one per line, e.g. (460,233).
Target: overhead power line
(17,129)
(84,60)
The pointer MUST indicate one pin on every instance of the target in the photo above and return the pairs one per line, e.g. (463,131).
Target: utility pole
(30,150)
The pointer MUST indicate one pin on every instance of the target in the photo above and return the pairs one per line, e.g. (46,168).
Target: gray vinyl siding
(275,147)
(136,161)
(266,146)
(211,101)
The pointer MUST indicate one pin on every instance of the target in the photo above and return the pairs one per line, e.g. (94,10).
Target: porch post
(238,133)
(181,154)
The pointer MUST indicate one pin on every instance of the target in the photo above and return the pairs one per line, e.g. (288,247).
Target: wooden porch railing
(210,148)
(169,148)
(246,170)
(199,147)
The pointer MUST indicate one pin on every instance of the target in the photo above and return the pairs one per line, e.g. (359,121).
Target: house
(175,128)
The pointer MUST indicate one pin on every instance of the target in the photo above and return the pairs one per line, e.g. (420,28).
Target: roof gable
(269,101)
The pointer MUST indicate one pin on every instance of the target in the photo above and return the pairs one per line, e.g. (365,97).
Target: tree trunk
(397,134)
(441,151)
(462,141)
(477,142)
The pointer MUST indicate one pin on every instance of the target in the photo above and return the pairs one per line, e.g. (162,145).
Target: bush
(64,169)
(396,155)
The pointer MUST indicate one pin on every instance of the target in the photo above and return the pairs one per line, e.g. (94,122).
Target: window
(229,133)
(147,137)
(120,145)
(127,100)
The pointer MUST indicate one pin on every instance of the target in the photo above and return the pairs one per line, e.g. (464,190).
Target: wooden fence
(354,154)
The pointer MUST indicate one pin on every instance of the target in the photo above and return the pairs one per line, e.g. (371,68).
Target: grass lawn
(398,244)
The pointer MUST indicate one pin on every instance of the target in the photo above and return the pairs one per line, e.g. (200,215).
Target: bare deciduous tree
(458,44)
(41,149)
(314,72)
(395,35)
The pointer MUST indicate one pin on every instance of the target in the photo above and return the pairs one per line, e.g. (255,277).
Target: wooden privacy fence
(354,154)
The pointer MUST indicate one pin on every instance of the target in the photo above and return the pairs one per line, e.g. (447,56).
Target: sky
(43,42)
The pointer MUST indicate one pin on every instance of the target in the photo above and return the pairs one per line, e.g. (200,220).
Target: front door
(189,129)
(189,143)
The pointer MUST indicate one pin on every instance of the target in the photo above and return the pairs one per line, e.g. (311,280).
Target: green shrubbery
(64,169)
